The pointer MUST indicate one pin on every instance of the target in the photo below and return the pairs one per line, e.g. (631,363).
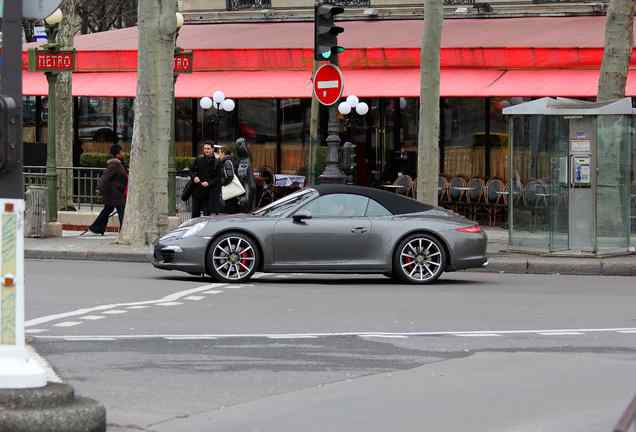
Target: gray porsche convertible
(327,229)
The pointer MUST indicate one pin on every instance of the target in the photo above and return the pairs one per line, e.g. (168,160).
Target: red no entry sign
(328,84)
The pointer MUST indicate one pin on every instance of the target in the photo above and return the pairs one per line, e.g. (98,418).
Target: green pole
(51,163)
(172,154)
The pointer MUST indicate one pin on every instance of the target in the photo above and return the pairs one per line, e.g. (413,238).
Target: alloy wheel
(421,259)
(233,258)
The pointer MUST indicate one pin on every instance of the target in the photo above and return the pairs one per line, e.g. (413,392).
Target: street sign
(51,61)
(183,62)
(328,84)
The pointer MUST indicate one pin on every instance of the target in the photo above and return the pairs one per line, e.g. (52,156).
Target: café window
(464,136)
(294,121)
(258,124)
(95,126)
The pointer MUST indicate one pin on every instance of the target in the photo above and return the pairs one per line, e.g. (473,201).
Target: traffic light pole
(332,172)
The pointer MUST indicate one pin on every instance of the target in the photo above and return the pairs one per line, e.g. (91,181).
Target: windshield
(280,207)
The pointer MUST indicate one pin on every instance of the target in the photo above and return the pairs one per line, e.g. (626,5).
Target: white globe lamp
(205,103)
(228,105)
(344,108)
(353,100)
(218,96)
(362,108)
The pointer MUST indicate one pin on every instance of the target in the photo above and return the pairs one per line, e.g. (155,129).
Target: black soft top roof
(396,204)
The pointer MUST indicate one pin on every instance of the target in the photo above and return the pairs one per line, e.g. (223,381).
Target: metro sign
(51,61)
(183,62)
(328,84)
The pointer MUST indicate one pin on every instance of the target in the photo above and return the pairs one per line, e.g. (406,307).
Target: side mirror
(301,215)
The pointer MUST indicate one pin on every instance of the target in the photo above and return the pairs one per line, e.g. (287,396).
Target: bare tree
(69,27)
(101,15)
(428,133)
(619,40)
(147,206)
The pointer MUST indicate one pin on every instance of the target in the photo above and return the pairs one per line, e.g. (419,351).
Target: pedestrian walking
(226,174)
(113,185)
(245,174)
(205,179)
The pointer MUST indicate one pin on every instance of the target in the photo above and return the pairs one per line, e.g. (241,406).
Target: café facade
(266,68)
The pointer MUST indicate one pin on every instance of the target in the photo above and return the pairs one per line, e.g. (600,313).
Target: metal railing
(627,421)
(77,186)
(234,5)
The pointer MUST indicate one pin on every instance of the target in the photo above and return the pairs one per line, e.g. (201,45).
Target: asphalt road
(477,351)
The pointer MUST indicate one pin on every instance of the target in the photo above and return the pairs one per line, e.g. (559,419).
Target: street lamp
(172,150)
(52,27)
(220,103)
(352,103)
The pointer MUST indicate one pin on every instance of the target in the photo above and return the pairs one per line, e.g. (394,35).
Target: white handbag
(232,190)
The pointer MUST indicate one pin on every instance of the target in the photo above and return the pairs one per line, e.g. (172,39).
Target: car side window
(337,205)
(375,209)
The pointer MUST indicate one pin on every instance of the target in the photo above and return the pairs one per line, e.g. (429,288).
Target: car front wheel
(233,258)
(420,258)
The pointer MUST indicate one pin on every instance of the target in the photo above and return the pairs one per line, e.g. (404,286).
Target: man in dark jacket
(112,185)
(205,179)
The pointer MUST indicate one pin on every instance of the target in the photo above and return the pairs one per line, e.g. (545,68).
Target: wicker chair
(443,193)
(535,200)
(496,199)
(475,197)
(456,194)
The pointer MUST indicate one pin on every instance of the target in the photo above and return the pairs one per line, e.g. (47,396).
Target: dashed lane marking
(138,307)
(195,298)
(212,292)
(169,304)
(34,331)
(189,338)
(68,324)
(477,333)
(167,299)
(115,312)
(92,317)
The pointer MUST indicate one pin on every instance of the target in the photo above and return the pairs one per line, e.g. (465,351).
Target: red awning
(363,83)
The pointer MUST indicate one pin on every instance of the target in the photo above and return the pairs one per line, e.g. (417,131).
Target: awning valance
(363,83)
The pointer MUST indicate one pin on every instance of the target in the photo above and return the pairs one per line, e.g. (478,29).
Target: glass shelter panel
(538,183)
(613,188)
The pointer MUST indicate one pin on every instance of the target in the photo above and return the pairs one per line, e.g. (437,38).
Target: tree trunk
(619,40)
(428,133)
(147,206)
(69,27)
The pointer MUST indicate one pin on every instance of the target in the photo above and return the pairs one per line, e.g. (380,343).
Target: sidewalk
(98,248)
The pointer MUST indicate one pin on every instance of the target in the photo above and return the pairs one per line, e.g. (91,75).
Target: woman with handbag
(231,188)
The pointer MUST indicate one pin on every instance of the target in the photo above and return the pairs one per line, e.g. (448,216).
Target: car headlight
(194,229)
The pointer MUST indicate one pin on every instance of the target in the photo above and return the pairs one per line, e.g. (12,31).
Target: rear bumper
(472,262)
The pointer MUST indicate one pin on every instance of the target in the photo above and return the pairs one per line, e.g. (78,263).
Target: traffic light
(326,31)
(7,125)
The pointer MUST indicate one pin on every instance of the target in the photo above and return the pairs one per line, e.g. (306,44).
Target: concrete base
(18,370)
(54,229)
(53,408)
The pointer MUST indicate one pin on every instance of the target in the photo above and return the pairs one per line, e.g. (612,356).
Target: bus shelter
(570,188)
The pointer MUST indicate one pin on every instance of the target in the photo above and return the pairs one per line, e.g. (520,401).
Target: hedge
(98,160)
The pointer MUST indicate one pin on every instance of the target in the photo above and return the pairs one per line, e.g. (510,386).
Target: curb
(498,263)
(136,257)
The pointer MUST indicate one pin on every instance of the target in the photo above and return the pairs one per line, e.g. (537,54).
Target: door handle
(359,230)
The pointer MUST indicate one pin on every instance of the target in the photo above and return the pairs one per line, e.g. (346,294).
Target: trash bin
(35,214)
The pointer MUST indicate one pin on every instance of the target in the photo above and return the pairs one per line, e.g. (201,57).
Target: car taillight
(474,229)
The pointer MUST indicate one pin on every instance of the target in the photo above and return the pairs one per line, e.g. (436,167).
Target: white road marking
(67,324)
(573,333)
(384,336)
(88,339)
(476,334)
(169,298)
(189,337)
(137,307)
(115,312)
(291,336)
(626,331)
(169,304)
(214,292)
(33,331)
(93,317)
(195,298)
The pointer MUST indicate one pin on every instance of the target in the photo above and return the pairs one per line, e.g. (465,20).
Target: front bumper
(187,255)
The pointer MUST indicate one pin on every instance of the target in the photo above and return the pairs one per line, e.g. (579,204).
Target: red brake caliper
(244,258)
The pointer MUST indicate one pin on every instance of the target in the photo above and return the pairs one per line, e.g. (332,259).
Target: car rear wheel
(233,258)
(420,259)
